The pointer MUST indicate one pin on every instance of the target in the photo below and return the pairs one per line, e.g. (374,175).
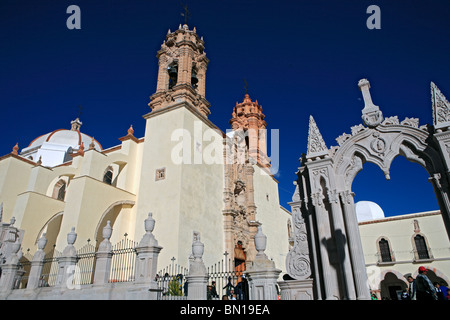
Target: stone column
(252,132)
(329,281)
(67,264)
(103,257)
(163,75)
(262,273)
(342,246)
(10,268)
(147,256)
(198,277)
(201,74)
(355,245)
(37,264)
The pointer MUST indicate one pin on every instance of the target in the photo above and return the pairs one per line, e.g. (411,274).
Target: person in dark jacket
(425,289)
(229,286)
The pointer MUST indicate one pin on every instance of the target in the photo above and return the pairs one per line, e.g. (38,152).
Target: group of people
(422,289)
(238,292)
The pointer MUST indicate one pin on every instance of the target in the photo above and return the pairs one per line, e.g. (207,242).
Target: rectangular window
(160,174)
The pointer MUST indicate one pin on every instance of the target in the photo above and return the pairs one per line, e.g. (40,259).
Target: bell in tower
(182,70)
(194,79)
(173,75)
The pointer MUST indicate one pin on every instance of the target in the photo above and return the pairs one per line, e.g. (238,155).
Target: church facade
(187,172)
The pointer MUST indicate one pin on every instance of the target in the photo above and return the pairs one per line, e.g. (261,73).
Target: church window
(160,174)
(385,251)
(62,192)
(107,177)
(421,248)
(59,190)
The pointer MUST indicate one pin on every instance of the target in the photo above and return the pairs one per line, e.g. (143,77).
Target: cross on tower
(79,111)
(245,86)
(186,13)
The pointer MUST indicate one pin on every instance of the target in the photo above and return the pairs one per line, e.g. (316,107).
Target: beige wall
(26,190)
(400,231)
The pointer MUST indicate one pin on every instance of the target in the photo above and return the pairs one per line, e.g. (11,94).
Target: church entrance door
(239,260)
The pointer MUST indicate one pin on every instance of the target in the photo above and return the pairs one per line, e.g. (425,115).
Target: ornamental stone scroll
(298,264)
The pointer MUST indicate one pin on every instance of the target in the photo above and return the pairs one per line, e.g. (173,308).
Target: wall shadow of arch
(335,246)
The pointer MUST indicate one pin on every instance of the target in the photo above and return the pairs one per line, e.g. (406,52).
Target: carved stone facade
(323,205)
(245,147)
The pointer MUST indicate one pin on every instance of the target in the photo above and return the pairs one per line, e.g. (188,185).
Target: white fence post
(103,257)
(197,279)
(262,272)
(67,264)
(37,263)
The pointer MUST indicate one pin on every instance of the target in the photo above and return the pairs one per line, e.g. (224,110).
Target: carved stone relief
(298,264)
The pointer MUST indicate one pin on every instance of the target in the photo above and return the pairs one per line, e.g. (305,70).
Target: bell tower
(182,69)
(247,117)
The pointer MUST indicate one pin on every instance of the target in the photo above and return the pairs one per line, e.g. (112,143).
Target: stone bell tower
(247,117)
(182,70)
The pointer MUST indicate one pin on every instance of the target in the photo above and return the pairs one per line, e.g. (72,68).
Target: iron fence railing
(50,269)
(224,280)
(171,282)
(85,264)
(123,261)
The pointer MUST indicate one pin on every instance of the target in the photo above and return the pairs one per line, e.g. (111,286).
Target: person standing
(229,286)
(214,293)
(444,289)
(439,293)
(412,288)
(425,289)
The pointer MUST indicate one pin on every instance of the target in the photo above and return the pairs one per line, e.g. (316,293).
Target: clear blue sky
(298,58)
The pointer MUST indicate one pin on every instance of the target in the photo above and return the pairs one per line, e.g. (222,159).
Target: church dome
(55,147)
(368,210)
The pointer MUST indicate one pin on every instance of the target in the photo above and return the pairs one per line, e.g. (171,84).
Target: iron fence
(50,268)
(123,261)
(227,279)
(85,264)
(223,279)
(171,282)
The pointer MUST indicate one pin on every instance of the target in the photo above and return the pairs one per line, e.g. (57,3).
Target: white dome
(72,138)
(368,210)
(55,147)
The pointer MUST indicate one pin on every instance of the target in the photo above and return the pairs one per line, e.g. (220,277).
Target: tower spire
(316,144)
(441,107)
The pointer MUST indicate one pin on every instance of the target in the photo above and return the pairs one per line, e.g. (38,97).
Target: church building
(188,173)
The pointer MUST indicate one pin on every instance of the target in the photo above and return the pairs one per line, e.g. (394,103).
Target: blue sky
(298,58)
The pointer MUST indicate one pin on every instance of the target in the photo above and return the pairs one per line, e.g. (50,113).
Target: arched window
(59,190)
(385,251)
(62,192)
(421,248)
(107,177)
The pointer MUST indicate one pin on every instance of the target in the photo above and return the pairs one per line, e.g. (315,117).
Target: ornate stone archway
(323,198)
